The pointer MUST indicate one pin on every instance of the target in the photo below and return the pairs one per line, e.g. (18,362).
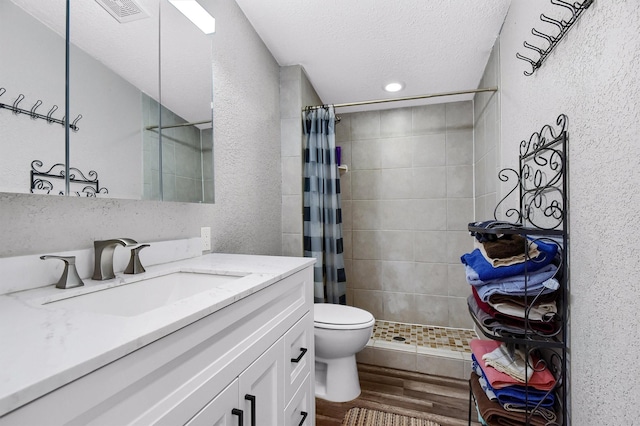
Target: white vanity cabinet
(260,347)
(254,398)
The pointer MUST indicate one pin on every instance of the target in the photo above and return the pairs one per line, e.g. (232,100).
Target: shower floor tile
(425,339)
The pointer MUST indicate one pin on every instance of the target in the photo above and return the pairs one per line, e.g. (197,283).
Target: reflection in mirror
(25,81)
(116,83)
(186,176)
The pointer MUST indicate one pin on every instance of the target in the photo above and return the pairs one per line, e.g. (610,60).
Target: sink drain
(399,338)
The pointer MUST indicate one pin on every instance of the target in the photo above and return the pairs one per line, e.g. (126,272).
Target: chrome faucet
(70,277)
(103,267)
(135,266)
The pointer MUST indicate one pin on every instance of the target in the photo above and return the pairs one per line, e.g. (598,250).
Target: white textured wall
(246,136)
(296,92)
(246,216)
(593,77)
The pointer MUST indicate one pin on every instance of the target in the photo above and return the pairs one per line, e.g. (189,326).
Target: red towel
(542,380)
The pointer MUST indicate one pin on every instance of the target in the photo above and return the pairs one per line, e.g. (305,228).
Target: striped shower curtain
(322,207)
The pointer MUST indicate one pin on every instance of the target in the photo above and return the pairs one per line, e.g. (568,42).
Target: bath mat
(365,417)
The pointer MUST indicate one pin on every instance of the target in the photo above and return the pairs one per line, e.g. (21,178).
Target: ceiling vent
(123,10)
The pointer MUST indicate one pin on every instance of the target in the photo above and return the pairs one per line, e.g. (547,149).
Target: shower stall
(407,198)
(414,179)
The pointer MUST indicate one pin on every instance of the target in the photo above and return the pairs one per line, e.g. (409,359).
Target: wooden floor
(442,400)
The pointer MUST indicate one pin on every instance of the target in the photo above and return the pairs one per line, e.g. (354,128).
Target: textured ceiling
(351,49)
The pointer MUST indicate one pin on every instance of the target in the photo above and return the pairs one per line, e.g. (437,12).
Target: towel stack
(508,389)
(513,284)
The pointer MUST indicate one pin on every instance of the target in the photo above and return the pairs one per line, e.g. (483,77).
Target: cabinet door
(299,355)
(220,411)
(262,388)
(301,409)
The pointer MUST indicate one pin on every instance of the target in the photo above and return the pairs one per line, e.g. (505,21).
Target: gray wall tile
(429,119)
(396,122)
(429,150)
(365,125)
(411,184)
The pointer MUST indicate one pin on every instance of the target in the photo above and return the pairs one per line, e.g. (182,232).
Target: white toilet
(340,332)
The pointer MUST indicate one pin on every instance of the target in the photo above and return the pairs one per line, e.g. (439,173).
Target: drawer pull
(304,417)
(302,352)
(252,399)
(240,415)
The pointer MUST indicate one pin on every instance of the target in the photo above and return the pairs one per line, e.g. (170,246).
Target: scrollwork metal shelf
(43,181)
(537,207)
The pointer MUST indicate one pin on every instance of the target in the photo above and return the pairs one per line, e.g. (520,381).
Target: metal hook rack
(563,26)
(15,108)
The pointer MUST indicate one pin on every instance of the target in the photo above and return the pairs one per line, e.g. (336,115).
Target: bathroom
(591,77)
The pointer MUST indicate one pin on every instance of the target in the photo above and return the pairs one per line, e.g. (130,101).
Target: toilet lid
(341,316)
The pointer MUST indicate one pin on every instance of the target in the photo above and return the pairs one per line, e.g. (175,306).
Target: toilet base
(337,379)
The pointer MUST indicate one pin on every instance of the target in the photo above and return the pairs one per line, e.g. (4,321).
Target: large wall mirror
(140,100)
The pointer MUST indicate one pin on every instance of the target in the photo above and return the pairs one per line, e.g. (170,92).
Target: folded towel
(520,397)
(486,272)
(547,414)
(538,312)
(541,380)
(515,366)
(538,282)
(520,300)
(505,246)
(525,397)
(493,413)
(503,260)
(490,323)
(486,387)
(548,326)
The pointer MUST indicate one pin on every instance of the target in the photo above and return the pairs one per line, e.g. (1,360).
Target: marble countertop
(45,347)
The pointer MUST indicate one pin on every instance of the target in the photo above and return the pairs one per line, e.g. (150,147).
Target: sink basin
(146,295)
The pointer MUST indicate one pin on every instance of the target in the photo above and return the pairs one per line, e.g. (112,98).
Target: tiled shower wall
(183,149)
(407,200)
(487,139)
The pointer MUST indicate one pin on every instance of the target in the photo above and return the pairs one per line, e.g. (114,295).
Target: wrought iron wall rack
(539,213)
(564,26)
(43,181)
(34,115)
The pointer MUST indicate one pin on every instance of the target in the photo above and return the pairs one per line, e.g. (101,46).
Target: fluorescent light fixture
(196,14)
(394,87)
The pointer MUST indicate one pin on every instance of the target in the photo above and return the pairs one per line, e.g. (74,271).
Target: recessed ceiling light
(196,14)
(394,87)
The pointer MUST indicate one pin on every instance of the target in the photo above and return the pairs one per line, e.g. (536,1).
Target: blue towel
(524,397)
(539,282)
(487,272)
(517,396)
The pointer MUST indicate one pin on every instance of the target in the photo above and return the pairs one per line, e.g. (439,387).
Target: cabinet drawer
(301,410)
(299,354)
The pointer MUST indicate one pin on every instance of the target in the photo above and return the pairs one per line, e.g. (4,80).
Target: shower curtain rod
(171,126)
(409,98)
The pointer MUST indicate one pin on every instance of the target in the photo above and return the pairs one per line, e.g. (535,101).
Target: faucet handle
(135,266)
(70,277)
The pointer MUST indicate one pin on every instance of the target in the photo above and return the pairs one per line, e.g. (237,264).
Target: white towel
(540,312)
(515,367)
